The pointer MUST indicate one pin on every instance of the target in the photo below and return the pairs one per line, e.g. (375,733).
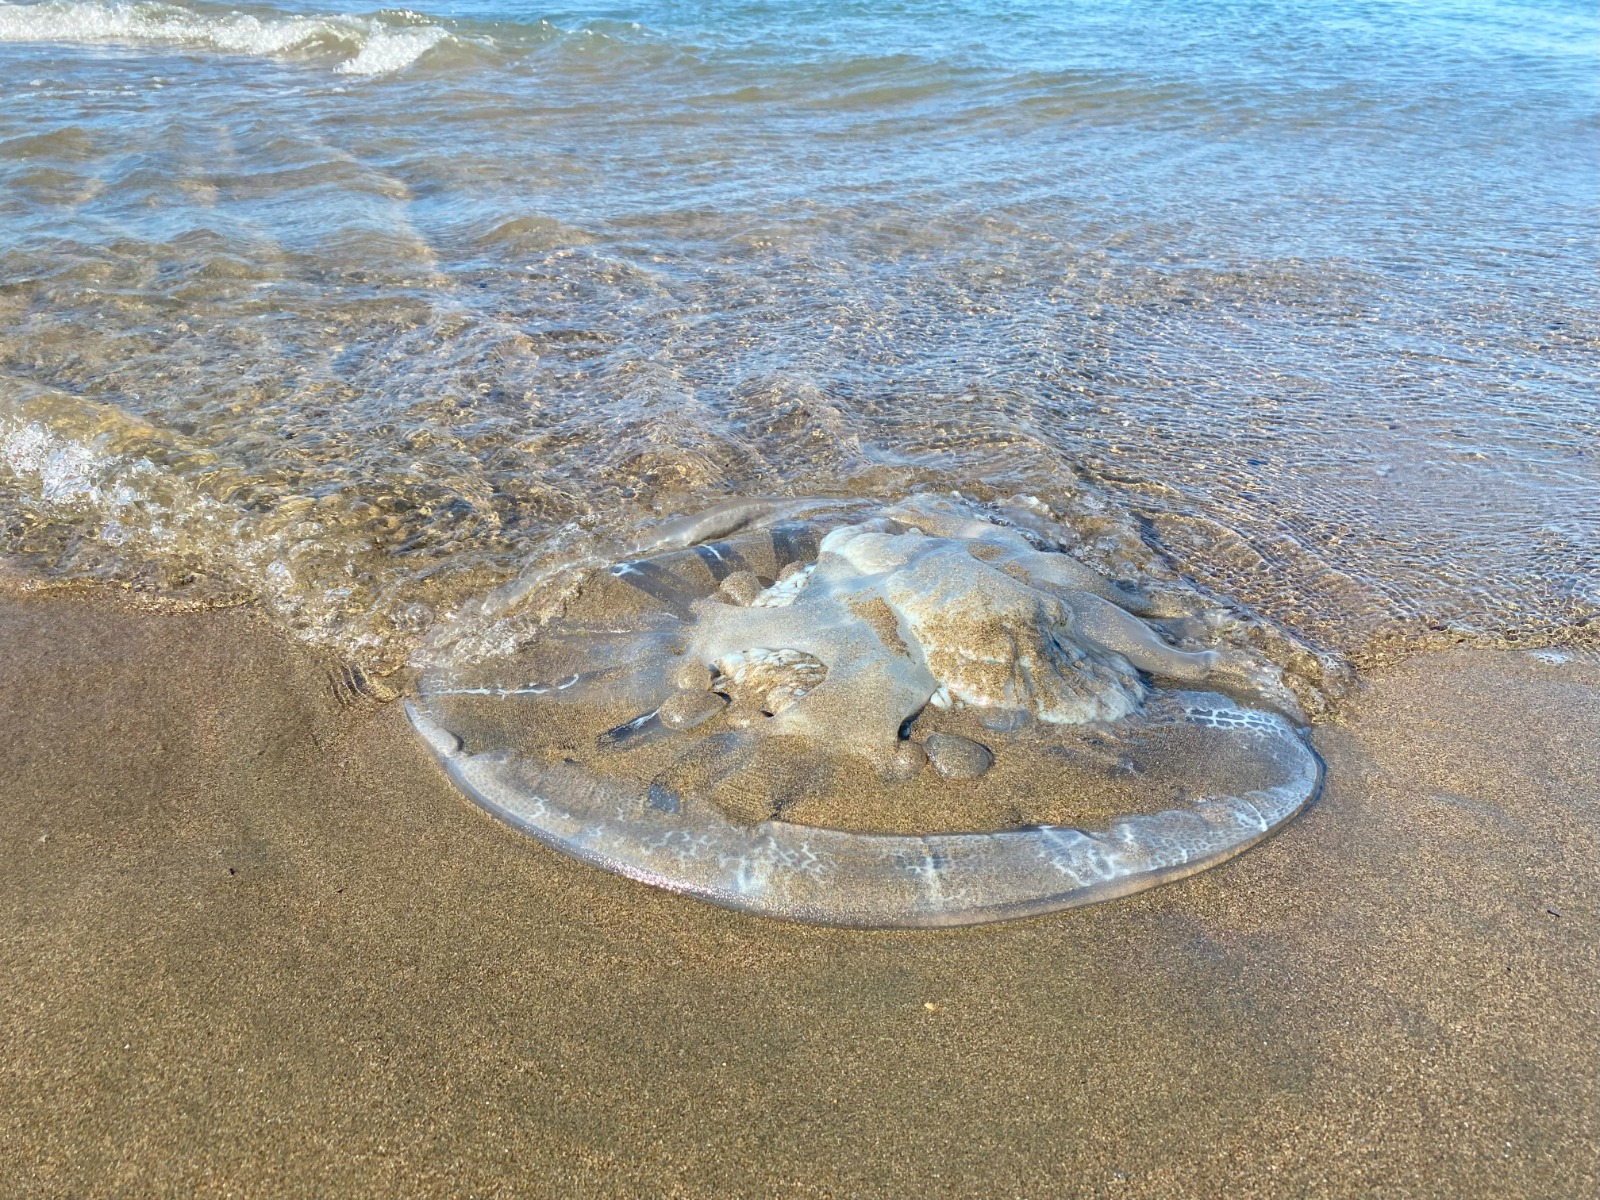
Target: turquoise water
(360,312)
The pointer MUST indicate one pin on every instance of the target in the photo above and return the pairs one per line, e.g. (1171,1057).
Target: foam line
(369,45)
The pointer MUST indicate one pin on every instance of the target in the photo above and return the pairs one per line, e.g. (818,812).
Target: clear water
(358,312)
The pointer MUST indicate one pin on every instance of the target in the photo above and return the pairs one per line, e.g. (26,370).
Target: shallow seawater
(361,313)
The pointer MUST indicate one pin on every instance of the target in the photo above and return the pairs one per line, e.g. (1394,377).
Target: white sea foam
(366,45)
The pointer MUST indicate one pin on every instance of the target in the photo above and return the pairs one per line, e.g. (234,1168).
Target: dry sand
(252,943)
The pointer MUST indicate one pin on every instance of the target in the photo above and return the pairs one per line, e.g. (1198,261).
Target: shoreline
(255,941)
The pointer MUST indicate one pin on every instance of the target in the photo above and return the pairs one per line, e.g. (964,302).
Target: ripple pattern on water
(1294,302)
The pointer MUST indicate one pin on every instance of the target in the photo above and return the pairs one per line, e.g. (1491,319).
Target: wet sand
(251,942)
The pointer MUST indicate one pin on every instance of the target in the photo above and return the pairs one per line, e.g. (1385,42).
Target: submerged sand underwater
(254,943)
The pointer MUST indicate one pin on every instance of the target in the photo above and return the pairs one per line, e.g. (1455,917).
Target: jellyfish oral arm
(1120,632)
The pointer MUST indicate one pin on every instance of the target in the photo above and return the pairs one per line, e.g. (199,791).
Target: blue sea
(357,313)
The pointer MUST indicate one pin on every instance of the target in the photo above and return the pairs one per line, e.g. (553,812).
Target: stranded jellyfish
(901,716)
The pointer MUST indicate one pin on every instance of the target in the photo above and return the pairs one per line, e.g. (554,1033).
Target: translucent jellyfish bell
(897,716)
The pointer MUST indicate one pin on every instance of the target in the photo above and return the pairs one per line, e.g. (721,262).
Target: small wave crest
(375,45)
(185,519)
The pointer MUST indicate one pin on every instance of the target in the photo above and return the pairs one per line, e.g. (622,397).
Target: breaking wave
(374,45)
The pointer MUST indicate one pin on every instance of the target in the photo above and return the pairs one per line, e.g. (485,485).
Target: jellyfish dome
(909,715)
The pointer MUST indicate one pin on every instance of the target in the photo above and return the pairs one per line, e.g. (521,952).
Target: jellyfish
(906,715)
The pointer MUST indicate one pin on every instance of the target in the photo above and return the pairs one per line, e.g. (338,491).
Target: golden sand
(253,943)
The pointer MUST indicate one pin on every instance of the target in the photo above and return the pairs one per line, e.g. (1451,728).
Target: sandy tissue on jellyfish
(890,717)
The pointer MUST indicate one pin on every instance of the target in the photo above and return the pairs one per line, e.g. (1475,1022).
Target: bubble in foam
(905,715)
